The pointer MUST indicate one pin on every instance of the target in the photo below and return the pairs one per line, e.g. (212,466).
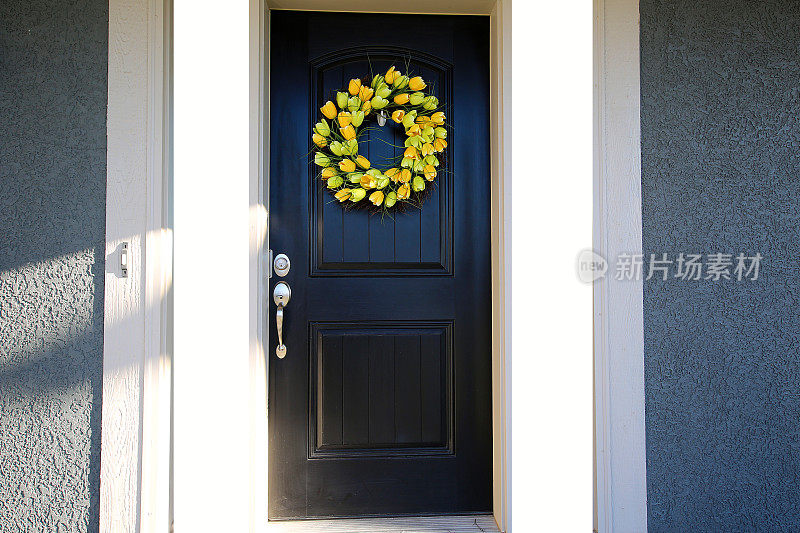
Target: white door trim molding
(500,53)
(500,109)
(135,484)
(258,369)
(621,488)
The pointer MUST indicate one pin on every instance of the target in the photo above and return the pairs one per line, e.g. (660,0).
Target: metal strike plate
(281,264)
(123,260)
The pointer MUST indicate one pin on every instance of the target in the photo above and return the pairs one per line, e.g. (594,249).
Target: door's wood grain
(407,394)
(332,395)
(355,390)
(381,390)
(431,390)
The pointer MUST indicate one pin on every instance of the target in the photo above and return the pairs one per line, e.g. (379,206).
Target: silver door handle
(281,295)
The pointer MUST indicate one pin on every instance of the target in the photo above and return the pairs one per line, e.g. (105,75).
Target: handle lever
(281,296)
(280,350)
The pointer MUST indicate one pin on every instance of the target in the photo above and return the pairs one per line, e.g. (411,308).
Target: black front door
(382,405)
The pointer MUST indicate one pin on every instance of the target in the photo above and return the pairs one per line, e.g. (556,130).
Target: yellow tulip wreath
(350,176)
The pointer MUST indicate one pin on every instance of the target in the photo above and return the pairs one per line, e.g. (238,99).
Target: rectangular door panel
(353,241)
(381,389)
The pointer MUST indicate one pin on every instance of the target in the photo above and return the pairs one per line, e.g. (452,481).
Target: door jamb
(136,427)
(500,104)
(620,468)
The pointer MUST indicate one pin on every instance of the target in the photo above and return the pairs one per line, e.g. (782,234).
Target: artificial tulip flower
(438,118)
(416,83)
(391,74)
(363,162)
(366,92)
(400,82)
(439,144)
(335,181)
(431,103)
(391,199)
(431,160)
(357,118)
(366,107)
(328,172)
(319,140)
(383,182)
(354,86)
(376,80)
(408,119)
(398,115)
(404,192)
(411,153)
(348,133)
(427,149)
(321,159)
(418,184)
(368,182)
(341,99)
(343,194)
(430,172)
(415,141)
(376,198)
(378,102)
(405,176)
(416,98)
(350,147)
(417,166)
(329,110)
(392,174)
(358,195)
(354,104)
(413,130)
(347,165)
(337,148)
(401,99)
(322,128)
(355,177)
(440,133)
(345,118)
(383,91)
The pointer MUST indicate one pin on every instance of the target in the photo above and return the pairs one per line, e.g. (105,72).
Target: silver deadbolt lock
(281,264)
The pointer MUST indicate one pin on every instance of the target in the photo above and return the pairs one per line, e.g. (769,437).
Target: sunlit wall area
(53,83)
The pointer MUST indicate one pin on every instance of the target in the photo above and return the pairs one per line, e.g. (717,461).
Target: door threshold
(404,524)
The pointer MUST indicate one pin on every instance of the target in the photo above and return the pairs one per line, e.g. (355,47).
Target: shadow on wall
(53,96)
(51,346)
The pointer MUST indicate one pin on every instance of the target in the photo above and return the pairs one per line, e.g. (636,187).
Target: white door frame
(136,432)
(137,362)
(499,12)
(620,480)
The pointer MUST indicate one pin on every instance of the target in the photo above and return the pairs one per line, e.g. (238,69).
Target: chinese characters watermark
(683,266)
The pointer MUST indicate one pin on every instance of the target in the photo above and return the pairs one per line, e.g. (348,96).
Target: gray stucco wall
(53,65)
(721,173)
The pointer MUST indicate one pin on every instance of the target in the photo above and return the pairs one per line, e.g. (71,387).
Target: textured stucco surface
(53,64)
(721,173)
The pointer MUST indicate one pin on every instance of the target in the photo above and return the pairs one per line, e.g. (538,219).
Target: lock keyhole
(281,264)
